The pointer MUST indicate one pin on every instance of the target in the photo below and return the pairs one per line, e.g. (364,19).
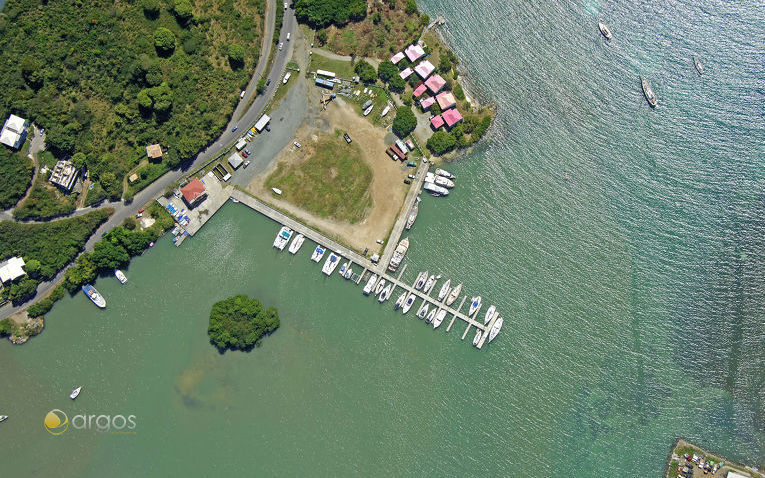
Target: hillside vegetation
(106,78)
(16,172)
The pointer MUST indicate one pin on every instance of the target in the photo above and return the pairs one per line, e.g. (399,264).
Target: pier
(398,227)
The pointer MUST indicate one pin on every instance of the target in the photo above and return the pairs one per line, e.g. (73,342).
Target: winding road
(155,189)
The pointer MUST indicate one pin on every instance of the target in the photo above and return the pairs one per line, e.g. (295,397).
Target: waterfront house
(424,69)
(414,52)
(64,175)
(397,57)
(436,122)
(11,269)
(435,83)
(14,132)
(419,90)
(154,151)
(446,100)
(427,103)
(194,192)
(404,74)
(451,117)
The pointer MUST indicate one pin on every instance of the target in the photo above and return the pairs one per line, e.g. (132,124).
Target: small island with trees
(240,322)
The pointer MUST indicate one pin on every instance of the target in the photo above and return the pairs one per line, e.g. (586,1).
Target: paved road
(154,190)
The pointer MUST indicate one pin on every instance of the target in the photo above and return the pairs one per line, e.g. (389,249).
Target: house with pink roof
(427,103)
(435,83)
(413,52)
(446,100)
(436,122)
(419,90)
(405,73)
(451,117)
(424,69)
(397,57)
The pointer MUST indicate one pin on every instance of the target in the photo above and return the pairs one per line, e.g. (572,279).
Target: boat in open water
(650,96)
(318,253)
(440,316)
(75,393)
(489,314)
(120,276)
(399,301)
(429,317)
(94,296)
(495,328)
(454,294)
(423,310)
(477,337)
(697,64)
(297,243)
(409,303)
(282,238)
(398,254)
(370,284)
(475,304)
(331,263)
(604,30)
(413,214)
(385,294)
(429,284)
(444,289)
(3,418)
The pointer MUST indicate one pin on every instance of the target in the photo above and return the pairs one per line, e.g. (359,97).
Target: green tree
(33,267)
(441,142)
(150,8)
(376,17)
(458,92)
(164,40)
(6,327)
(397,84)
(321,35)
(386,71)
(107,255)
(240,322)
(183,10)
(323,13)
(235,55)
(78,160)
(411,7)
(404,122)
(366,72)
(261,86)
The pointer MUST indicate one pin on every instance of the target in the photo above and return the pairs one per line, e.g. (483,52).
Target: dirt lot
(387,188)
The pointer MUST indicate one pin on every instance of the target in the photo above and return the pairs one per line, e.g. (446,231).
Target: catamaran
(408,304)
(75,392)
(475,304)
(444,289)
(399,301)
(445,173)
(370,284)
(489,314)
(343,268)
(430,316)
(93,295)
(454,294)
(398,254)
(297,243)
(282,238)
(318,253)
(439,318)
(379,287)
(495,328)
(385,294)
(413,214)
(423,310)
(331,263)
(477,337)
(120,276)
(429,284)
(421,278)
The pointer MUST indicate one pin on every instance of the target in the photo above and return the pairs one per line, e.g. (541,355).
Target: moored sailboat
(439,318)
(454,294)
(495,328)
(444,289)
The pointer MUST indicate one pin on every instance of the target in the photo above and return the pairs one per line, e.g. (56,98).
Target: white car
(281,44)
(296,144)
(286,4)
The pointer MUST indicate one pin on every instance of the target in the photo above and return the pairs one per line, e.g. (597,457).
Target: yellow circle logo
(56,422)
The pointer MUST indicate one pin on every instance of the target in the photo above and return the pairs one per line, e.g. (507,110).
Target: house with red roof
(436,122)
(194,192)
(397,57)
(404,74)
(419,90)
(435,83)
(414,52)
(427,103)
(446,100)
(424,69)
(451,117)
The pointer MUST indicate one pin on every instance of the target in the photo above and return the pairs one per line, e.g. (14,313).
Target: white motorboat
(604,31)
(413,214)
(399,301)
(398,254)
(435,189)
(282,238)
(331,263)
(445,173)
(444,289)
(385,294)
(94,296)
(454,294)
(439,318)
(429,317)
(348,273)
(75,392)
(475,304)
(477,337)
(385,111)
(489,314)
(370,284)
(495,328)
(318,253)
(343,268)
(408,304)
(423,310)
(3,418)
(421,278)
(297,243)
(277,191)
(429,284)
(380,286)
(120,276)
(439,180)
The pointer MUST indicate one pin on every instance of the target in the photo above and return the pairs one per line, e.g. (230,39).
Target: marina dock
(398,227)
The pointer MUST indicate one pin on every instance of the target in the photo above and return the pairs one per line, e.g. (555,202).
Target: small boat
(277,191)
(120,276)
(445,173)
(697,64)
(368,110)
(454,294)
(282,238)
(413,214)
(343,268)
(440,316)
(423,310)
(370,284)
(331,263)
(348,273)
(399,301)
(398,254)
(648,92)
(435,189)
(475,304)
(318,253)
(3,418)
(408,304)
(380,286)
(439,180)
(93,295)
(421,278)
(495,328)
(477,337)
(235,200)
(75,392)
(605,31)
(429,317)
(385,111)
(429,284)
(297,243)
(385,294)
(444,289)
(489,314)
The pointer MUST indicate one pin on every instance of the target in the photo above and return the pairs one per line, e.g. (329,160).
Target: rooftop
(424,69)
(436,121)
(397,57)
(13,132)
(451,117)
(406,73)
(12,269)
(427,102)
(193,191)
(154,151)
(419,90)
(435,83)
(413,52)
(235,160)
(446,100)
(64,175)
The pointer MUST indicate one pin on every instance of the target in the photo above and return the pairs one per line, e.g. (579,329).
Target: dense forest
(323,13)
(240,322)
(107,78)
(16,172)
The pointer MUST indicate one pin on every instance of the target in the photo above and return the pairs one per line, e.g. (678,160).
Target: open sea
(624,246)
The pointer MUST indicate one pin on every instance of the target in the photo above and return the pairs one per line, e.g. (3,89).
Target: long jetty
(398,227)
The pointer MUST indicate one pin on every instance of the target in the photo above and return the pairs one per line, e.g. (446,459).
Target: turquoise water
(623,246)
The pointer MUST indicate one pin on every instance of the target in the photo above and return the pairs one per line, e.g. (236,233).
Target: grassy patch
(95,195)
(333,182)
(44,202)
(147,174)
(342,68)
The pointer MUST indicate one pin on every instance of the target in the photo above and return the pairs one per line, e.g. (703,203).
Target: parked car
(247,151)
(347,138)
(406,181)
(244,153)
(246,163)
(296,144)
(410,176)
(268,81)
(236,127)
(241,96)
(281,44)
(288,36)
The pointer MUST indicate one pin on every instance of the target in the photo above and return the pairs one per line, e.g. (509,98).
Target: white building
(235,160)
(64,175)
(14,132)
(11,269)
